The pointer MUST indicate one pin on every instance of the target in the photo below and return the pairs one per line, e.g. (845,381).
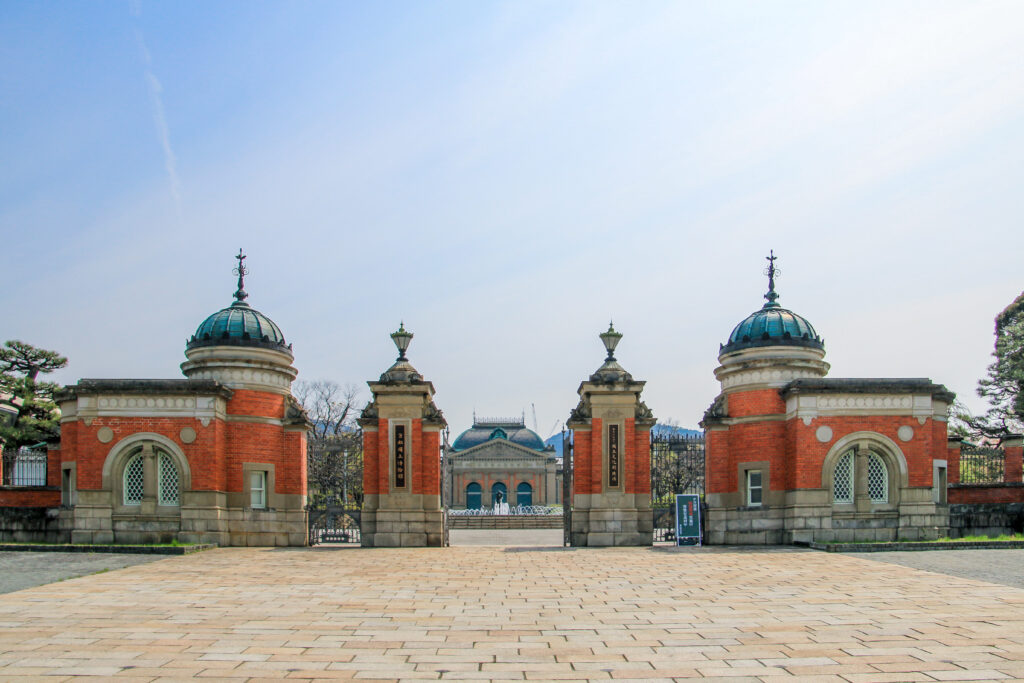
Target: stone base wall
(203,517)
(397,528)
(807,516)
(601,520)
(34,525)
(985,519)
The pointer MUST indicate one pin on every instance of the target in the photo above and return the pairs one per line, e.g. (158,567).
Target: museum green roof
(512,430)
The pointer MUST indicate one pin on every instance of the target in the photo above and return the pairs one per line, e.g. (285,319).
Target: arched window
(134,480)
(524,494)
(473,494)
(842,479)
(878,479)
(168,480)
(495,489)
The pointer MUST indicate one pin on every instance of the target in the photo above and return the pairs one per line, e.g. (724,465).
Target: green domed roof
(486,430)
(239,324)
(773,325)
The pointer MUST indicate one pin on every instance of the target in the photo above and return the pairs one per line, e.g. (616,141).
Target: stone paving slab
(491,613)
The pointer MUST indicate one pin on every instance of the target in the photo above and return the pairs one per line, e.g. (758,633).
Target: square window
(258,489)
(754,487)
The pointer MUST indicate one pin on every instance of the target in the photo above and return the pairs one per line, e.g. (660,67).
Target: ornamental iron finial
(610,339)
(241,271)
(772,272)
(402,339)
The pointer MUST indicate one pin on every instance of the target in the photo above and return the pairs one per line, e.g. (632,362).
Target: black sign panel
(400,464)
(687,519)
(613,456)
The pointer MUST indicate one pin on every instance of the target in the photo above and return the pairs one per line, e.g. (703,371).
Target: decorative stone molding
(187,435)
(809,406)
(105,434)
(905,433)
(823,434)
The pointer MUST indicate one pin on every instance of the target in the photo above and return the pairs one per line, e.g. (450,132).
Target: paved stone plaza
(491,613)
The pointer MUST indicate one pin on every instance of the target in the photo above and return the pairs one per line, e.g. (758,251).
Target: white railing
(24,467)
(536,510)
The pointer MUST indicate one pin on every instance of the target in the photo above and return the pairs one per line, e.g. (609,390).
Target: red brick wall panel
(32,497)
(986,493)
(256,403)
(581,462)
(756,402)
(371,463)
(1013,464)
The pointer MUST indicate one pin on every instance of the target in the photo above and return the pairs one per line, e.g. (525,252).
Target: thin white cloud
(160,121)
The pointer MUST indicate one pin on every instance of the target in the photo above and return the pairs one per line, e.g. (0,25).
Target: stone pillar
(402,458)
(611,458)
(1013,459)
(953,446)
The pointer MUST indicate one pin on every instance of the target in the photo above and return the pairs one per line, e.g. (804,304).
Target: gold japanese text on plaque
(400,456)
(613,455)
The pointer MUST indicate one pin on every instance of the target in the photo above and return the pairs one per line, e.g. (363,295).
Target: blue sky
(506,177)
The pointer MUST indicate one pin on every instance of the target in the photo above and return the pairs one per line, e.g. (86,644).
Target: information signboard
(688,519)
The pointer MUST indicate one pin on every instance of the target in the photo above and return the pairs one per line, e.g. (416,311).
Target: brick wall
(795,455)
(29,496)
(986,493)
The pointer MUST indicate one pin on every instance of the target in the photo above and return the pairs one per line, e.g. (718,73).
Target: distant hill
(658,429)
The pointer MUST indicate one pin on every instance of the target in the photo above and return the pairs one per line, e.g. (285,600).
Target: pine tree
(1003,385)
(38,418)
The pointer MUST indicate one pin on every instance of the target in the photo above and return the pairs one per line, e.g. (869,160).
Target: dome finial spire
(241,271)
(772,272)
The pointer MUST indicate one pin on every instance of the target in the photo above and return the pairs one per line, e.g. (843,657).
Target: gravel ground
(20,570)
(1004,567)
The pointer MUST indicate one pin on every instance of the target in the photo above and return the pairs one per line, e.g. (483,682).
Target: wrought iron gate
(567,487)
(335,524)
(677,466)
(335,475)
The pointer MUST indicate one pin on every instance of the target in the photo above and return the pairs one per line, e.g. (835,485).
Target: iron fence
(981,464)
(24,467)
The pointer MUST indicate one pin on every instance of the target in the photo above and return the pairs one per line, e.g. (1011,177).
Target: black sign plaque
(613,455)
(400,456)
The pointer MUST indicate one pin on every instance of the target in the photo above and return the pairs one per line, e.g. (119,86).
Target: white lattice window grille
(878,479)
(842,479)
(133,481)
(167,480)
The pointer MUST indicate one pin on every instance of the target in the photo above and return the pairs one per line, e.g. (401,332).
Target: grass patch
(964,539)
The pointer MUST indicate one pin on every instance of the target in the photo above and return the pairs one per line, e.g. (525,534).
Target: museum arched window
(166,476)
(878,479)
(844,477)
(524,494)
(168,481)
(134,480)
(499,487)
(473,494)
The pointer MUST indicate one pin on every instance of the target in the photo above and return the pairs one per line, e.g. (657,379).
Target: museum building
(795,456)
(501,455)
(217,457)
